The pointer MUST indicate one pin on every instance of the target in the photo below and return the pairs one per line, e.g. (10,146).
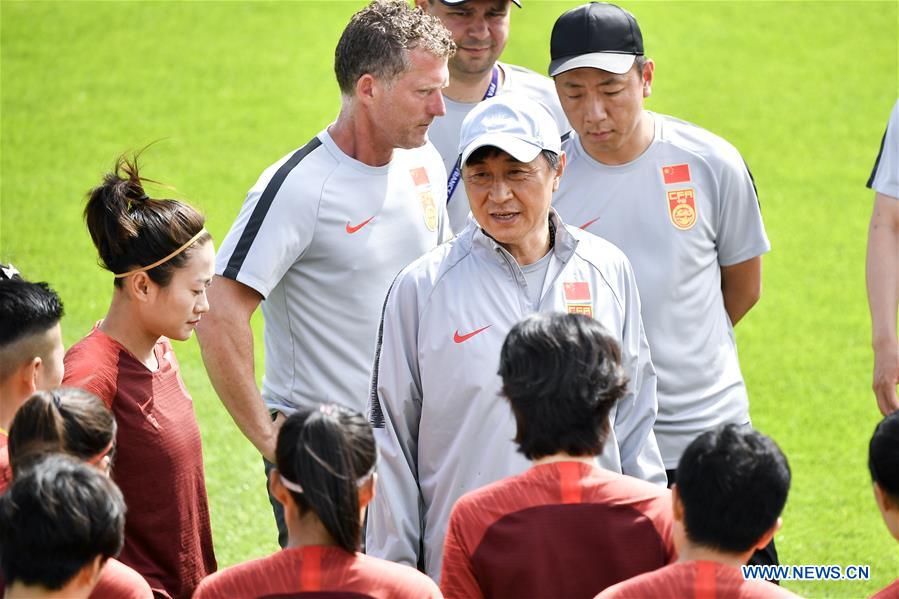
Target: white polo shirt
(682,210)
(321,236)
(444,131)
(885,175)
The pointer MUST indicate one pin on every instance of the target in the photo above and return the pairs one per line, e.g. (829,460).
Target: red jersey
(318,571)
(118,581)
(563,529)
(695,580)
(888,592)
(158,464)
(5,470)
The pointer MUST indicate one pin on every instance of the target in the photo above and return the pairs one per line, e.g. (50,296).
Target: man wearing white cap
(480,29)
(441,426)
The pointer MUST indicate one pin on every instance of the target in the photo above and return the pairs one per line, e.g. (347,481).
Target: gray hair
(378,38)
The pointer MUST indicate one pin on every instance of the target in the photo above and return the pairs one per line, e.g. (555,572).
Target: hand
(886,377)
(268,450)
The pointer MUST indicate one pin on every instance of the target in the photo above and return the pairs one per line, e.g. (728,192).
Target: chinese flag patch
(420,176)
(676,173)
(577,292)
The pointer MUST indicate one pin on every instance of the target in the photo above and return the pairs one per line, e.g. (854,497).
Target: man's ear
(882,499)
(769,534)
(279,491)
(563,160)
(366,88)
(647,76)
(28,376)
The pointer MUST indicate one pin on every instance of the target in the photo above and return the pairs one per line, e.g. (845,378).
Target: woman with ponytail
(325,477)
(162,259)
(76,423)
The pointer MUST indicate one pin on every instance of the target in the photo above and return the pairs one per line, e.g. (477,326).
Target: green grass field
(803,89)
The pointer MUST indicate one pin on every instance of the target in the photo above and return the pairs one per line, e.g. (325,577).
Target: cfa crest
(682,208)
(423,188)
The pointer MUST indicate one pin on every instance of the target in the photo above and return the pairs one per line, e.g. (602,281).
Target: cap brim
(607,61)
(519,149)
(456,2)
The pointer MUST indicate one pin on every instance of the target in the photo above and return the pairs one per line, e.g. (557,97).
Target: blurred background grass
(803,89)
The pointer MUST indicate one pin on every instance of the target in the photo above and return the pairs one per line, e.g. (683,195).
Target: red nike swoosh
(460,338)
(588,223)
(351,229)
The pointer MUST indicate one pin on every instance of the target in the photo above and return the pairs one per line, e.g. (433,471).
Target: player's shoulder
(523,79)
(92,354)
(244,579)
(303,168)
(691,139)
(396,580)
(599,252)
(121,582)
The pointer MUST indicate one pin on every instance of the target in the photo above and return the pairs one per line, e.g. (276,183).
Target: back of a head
(131,230)
(561,374)
(883,456)
(66,420)
(733,483)
(27,311)
(328,452)
(58,516)
(378,37)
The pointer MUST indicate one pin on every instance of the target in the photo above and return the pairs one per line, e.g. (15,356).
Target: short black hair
(733,483)
(883,455)
(561,374)
(57,516)
(26,309)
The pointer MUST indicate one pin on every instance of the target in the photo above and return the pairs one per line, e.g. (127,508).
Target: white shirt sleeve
(273,229)
(741,233)
(635,413)
(393,528)
(885,175)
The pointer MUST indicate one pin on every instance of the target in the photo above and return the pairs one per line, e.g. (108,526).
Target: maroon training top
(318,572)
(563,529)
(158,464)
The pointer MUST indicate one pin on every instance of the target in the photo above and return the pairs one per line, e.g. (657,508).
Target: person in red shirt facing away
(732,484)
(31,350)
(324,479)
(76,423)
(162,258)
(565,527)
(60,522)
(883,462)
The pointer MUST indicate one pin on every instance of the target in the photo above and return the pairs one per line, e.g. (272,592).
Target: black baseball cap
(455,2)
(598,35)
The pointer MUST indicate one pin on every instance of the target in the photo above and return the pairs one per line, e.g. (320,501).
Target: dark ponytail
(67,420)
(326,451)
(131,230)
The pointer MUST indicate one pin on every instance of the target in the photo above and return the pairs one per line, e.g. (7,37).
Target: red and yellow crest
(423,188)
(578,298)
(682,208)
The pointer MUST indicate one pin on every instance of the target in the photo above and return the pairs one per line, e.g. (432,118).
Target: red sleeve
(118,581)
(88,368)
(457,578)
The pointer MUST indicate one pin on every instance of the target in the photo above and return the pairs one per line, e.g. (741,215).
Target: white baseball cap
(513,123)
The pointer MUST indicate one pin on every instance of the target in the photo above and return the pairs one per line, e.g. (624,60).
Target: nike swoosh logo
(588,223)
(461,338)
(351,229)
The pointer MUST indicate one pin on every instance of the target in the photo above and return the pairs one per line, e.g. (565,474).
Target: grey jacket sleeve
(636,412)
(393,527)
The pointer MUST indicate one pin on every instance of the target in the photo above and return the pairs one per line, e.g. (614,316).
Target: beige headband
(190,242)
